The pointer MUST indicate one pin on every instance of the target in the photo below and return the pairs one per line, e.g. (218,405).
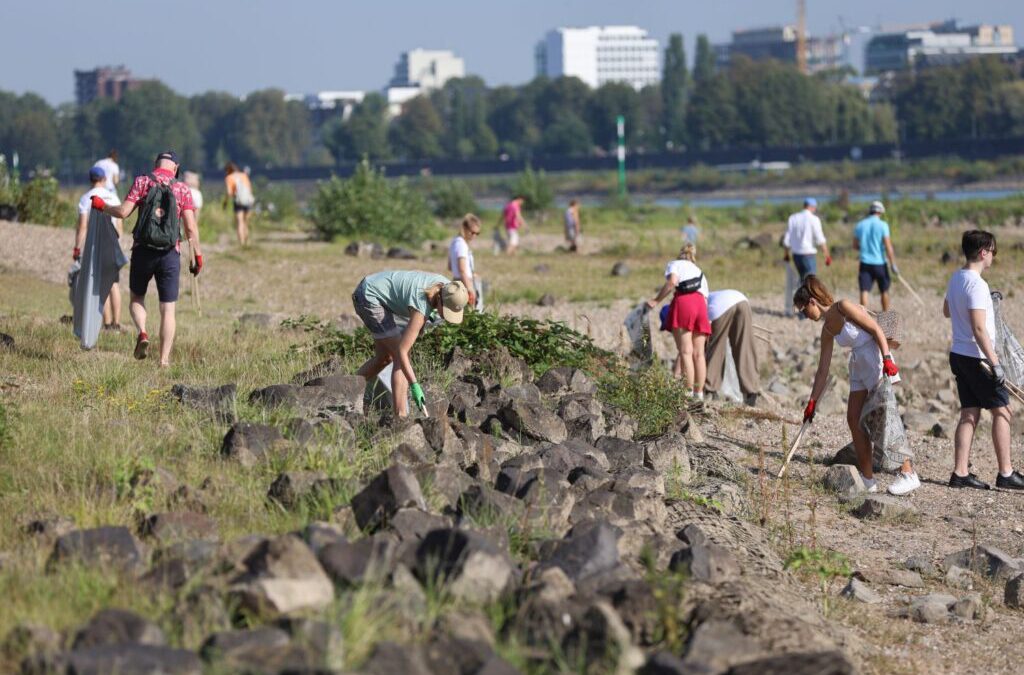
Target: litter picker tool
(763,329)
(197,303)
(1014,390)
(803,428)
(906,284)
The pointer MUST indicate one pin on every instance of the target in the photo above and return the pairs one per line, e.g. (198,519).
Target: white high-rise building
(427,69)
(600,54)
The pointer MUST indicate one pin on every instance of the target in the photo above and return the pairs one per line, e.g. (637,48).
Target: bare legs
(242,227)
(690,364)
(385,350)
(168,325)
(969,418)
(861,442)
(112,307)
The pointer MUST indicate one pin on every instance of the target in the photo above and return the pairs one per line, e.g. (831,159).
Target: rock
(905,578)
(339,392)
(323,641)
(532,420)
(450,654)
(1013,593)
(704,560)
(6,342)
(320,534)
(845,455)
(102,547)
(399,253)
(861,592)
(622,454)
(933,608)
(281,576)
(546,300)
(389,658)
(219,401)
(665,663)
(167,528)
(636,602)
(832,662)
(921,421)
(668,455)
(249,443)
(471,566)
(117,627)
(621,505)
(125,659)
(176,565)
(258,650)
(329,367)
(969,607)
(958,577)
(47,530)
(551,585)
(646,480)
(884,507)
(368,560)
(413,524)
(364,249)
(843,480)
(394,488)
(30,640)
(291,488)
(717,644)
(589,549)
(987,560)
(921,564)
(620,269)
(600,637)
(256,320)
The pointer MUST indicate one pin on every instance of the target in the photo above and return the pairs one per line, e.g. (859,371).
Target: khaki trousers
(734,328)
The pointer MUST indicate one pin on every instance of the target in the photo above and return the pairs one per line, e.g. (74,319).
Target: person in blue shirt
(871,238)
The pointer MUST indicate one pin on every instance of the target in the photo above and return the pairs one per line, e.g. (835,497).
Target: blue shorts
(869,274)
(164,266)
(805,264)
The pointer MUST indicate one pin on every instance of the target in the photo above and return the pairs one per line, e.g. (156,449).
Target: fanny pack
(689,285)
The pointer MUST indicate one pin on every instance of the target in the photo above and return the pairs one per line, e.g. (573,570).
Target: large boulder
(280,576)
(704,560)
(100,547)
(843,480)
(589,549)
(667,454)
(532,420)
(370,559)
(218,401)
(622,454)
(987,560)
(471,567)
(117,627)
(250,443)
(259,650)
(123,659)
(394,488)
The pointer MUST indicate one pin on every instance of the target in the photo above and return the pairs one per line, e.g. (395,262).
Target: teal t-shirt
(870,232)
(402,290)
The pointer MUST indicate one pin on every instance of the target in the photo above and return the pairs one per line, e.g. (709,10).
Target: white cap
(877,207)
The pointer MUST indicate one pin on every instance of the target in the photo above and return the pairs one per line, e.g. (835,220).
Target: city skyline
(317,45)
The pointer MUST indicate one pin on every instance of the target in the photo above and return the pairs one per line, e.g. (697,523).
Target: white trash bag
(881,419)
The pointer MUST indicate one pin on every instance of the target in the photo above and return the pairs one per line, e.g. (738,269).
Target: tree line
(748,105)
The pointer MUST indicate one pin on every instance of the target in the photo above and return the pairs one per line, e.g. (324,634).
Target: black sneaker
(968,481)
(1014,481)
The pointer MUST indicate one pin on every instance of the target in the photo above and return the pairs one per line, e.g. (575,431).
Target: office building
(780,43)
(941,43)
(104,82)
(600,54)
(427,69)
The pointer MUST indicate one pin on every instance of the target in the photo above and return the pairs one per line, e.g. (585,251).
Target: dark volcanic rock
(117,627)
(249,443)
(590,548)
(393,489)
(389,658)
(166,528)
(125,659)
(370,559)
(621,454)
(532,420)
(282,575)
(471,566)
(219,401)
(101,547)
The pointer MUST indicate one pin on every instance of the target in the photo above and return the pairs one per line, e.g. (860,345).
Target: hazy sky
(311,45)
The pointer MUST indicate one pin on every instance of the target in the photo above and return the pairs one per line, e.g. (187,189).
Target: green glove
(417,395)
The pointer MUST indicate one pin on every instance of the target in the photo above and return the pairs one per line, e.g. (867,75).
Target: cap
(97,173)
(170,154)
(454,298)
(877,207)
(810,201)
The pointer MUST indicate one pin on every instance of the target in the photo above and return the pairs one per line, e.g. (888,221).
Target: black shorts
(974,384)
(869,274)
(241,208)
(164,266)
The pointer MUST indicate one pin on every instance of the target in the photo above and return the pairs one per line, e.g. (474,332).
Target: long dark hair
(812,287)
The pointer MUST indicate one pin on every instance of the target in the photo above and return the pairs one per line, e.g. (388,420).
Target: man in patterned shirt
(162,265)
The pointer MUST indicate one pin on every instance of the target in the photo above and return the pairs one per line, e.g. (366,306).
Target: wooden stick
(1011,387)
(911,289)
(796,444)
(763,329)
(763,338)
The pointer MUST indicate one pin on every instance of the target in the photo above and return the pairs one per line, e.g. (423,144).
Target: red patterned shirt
(142,184)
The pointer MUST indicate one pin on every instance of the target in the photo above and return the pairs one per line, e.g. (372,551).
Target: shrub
(8,183)
(367,204)
(277,200)
(39,202)
(651,396)
(535,189)
(453,199)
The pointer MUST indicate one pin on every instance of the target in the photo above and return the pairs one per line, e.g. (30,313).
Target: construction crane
(801,36)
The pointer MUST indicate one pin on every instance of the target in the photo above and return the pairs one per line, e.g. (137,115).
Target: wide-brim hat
(454,298)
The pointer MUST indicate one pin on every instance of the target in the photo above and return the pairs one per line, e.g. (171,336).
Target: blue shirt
(870,232)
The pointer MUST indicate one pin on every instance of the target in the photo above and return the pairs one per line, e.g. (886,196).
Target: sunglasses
(474,232)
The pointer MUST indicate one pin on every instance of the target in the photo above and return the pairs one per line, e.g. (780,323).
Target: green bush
(40,202)
(453,199)
(278,202)
(535,189)
(368,205)
(651,396)
(8,184)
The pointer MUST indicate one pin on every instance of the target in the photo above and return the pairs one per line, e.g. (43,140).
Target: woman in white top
(460,256)
(687,317)
(849,325)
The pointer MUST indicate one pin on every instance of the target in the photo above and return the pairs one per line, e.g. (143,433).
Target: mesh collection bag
(881,420)
(1008,349)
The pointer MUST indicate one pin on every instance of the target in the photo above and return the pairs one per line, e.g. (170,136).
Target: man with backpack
(164,203)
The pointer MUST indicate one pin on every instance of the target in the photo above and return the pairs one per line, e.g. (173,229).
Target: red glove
(76,253)
(828,260)
(196,267)
(472,300)
(809,411)
(98,203)
(889,366)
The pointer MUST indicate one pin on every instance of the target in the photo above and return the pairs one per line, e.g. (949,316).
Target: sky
(304,46)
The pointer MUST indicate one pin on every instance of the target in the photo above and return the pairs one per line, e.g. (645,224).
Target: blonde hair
(688,252)
(468,221)
(812,287)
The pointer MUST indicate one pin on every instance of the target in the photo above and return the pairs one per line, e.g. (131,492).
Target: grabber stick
(1014,390)
(197,303)
(910,288)
(803,428)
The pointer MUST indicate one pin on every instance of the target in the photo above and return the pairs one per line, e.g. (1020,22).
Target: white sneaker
(905,484)
(870,484)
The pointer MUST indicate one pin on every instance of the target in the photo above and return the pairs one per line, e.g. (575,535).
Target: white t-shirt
(721,302)
(460,249)
(804,235)
(197,197)
(111,170)
(684,269)
(85,203)
(967,291)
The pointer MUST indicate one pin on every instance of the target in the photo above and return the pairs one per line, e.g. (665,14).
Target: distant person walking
(460,259)
(980,378)
(112,306)
(732,325)
(191,179)
(512,215)
(802,239)
(871,237)
(687,317)
(164,203)
(111,171)
(238,189)
(572,225)
(413,296)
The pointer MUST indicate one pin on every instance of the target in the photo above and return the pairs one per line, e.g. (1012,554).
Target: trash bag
(730,388)
(73,272)
(881,420)
(638,328)
(1008,349)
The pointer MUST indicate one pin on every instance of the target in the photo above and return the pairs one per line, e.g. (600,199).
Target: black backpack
(158,226)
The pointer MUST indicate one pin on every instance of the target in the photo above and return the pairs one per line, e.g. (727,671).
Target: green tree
(415,134)
(267,130)
(151,119)
(675,89)
(606,104)
(711,120)
(512,117)
(28,126)
(704,60)
(462,104)
(214,113)
(1005,109)
(363,134)
(569,135)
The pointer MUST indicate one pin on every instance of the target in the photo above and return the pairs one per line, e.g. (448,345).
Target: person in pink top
(513,216)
